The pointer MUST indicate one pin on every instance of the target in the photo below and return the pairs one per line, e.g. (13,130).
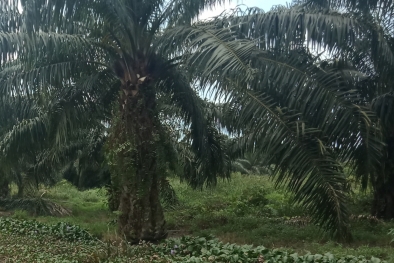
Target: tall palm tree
(373,56)
(346,97)
(309,114)
(98,47)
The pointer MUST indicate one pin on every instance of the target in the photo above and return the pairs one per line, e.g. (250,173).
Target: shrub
(61,230)
(391,232)
(201,249)
(252,200)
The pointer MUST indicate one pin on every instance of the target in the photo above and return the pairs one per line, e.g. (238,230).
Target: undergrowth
(250,210)
(245,210)
(34,229)
(34,244)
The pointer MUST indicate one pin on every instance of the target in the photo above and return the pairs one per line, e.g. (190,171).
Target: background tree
(372,55)
(309,114)
(31,127)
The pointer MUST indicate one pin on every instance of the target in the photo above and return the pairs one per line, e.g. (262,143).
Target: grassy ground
(246,210)
(89,209)
(231,212)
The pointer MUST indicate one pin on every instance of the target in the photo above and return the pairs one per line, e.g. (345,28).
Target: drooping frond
(383,105)
(335,33)
(36,206)
(304,163)
(204,156)
(182,12)
(215,49)
(253,162)
(326,98)
(383,8)
(49,121)
(288,106)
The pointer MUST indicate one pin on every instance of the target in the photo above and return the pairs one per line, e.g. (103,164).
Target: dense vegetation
(108,94)
(246,210)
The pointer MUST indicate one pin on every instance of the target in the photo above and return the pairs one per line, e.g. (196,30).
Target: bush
(201,249)
(391,232)
(18,241)
(61,230)
(252,201)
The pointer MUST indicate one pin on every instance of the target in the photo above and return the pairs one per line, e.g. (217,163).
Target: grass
(245,210)
(226,213)
(43,248)
(89,208)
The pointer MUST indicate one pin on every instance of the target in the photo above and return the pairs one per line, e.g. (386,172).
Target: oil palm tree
(350,112)
(113,47)
(309,114)
(252,163)
(372,55)
(30,134)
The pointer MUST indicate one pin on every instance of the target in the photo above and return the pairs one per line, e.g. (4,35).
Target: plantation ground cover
(46,248)
(246,210)
(236,212)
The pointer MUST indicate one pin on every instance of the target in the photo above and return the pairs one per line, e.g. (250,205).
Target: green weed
(245,210)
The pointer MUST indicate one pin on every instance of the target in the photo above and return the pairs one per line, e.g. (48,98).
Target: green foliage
(252,199)
(89,207)
(36,206)
(252,163)
(200,249)
(210,211)
(277,96)
(391,232)
(168,195)
(280,223)
(242,196)
(361,202)
(19,247)
(25,249)
(20,214)
(36,229)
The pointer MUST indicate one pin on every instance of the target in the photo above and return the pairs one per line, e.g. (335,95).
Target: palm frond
(37,206)
(383,105)
(383,8)
(304,163)
(182,12)
(326,99)
(335,33)
(207,159)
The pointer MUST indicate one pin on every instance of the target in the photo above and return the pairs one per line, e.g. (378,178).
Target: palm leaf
(206,159)
(305,164)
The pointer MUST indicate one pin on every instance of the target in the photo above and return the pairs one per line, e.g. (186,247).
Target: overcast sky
(264,4)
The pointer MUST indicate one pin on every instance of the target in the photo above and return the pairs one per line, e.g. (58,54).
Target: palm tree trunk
(383,202)
(142,216)
(20,184)
(4,189)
